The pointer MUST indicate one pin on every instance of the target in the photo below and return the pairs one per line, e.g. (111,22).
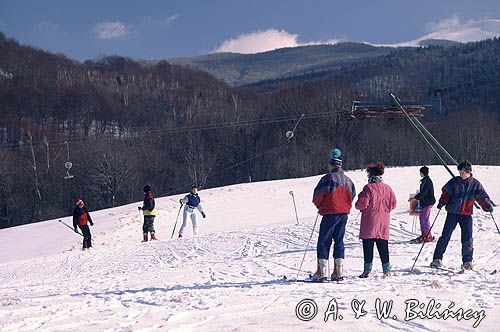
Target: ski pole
(307,247)
(177,218)
(426,235)
(491,214)
(357,216)
(294,206)
(65,224)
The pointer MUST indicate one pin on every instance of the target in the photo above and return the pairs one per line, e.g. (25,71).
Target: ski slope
(230,278)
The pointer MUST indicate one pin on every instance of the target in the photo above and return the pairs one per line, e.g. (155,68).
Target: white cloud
(447,23)
(160,21)
(263,41)
(172,18)
(453,29)
(111,30)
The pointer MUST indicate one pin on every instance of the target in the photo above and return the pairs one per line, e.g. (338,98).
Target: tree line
(123,124)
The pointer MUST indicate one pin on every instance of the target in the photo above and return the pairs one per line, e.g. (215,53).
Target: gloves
(180,201)
(440,205)
(490,209)
(203,215)
(76,231)
(140,208)
(91,223)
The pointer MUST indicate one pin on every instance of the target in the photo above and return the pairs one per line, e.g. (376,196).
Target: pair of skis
(311,280)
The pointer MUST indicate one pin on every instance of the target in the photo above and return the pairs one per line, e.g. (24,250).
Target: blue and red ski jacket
(334,194)
(459,195)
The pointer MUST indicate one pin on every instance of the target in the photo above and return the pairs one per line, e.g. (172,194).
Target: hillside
(170,126)
(243,69)
(230,277)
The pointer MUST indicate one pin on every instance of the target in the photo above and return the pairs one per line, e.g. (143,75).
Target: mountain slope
(229,278)
(242,69)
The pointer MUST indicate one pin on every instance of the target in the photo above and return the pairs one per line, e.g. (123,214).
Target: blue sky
(172,28)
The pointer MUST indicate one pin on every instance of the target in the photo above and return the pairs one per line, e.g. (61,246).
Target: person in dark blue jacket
(458,196)
(191,203)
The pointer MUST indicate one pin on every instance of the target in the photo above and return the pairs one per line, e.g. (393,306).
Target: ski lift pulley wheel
(289,134)
(68,166)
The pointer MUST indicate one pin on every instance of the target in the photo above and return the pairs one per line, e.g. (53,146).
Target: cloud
(453,29)
(447,23)
(111,30)
(172,18)
(263,41)
(162,21)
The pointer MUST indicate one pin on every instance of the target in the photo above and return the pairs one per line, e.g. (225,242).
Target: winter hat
(335,158)
(375,169)
(424,170)
(147,188)
(465,166)
(78,201)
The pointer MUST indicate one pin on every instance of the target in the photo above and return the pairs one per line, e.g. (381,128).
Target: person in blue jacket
(459,195)
(191,203)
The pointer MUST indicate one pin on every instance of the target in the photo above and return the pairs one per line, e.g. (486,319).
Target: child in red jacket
(81,218)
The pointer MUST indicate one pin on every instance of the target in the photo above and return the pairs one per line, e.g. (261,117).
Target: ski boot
(338,270)
(153,237)
(467,266)
(428,238)
(321,274)
(366,270)
(145,237)
(437,263)
(386,269)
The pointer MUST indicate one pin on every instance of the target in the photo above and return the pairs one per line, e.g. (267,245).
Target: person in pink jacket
(375,203)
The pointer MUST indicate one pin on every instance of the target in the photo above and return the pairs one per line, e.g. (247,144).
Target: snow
(230,277)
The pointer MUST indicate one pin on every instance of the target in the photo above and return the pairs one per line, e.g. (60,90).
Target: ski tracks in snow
(231,276)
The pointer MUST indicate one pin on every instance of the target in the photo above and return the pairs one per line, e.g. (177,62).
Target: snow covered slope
(230,277)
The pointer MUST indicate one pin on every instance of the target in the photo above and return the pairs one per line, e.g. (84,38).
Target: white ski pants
(189,212)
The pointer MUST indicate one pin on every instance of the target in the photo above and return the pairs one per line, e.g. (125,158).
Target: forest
(123,124)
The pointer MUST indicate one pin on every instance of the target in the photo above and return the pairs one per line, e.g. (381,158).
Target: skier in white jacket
(191,202)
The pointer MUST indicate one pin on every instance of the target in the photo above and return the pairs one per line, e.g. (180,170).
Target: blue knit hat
(335,158)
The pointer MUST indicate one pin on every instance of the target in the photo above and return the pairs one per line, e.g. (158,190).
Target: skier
(426,200)
(458,195)
(149,211)
(333,197)
(81,218)
(192,202)
(375,202)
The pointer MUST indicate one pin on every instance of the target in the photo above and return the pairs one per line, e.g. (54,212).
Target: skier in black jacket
(426,199)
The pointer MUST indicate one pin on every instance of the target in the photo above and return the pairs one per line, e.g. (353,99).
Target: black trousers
(382,247)
(87,237)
